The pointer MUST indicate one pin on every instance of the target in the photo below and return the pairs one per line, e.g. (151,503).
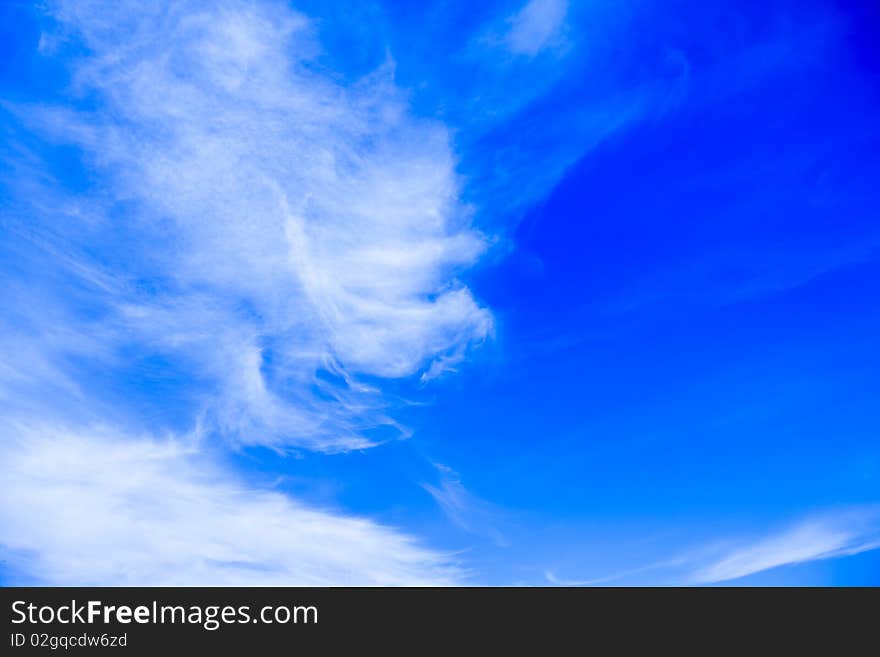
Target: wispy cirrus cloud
(725,559)
(817,538)
(250,250)
(546,82)
(90,506)
(300,226)
(536,26)
(466,510)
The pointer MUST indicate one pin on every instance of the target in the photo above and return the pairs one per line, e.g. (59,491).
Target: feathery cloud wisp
(817,538)
(270,240)
(305,226)
(535,26)
(467,511)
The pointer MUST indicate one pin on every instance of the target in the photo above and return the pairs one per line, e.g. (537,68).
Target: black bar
(420,620)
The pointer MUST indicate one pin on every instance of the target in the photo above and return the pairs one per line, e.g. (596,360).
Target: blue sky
(538,293)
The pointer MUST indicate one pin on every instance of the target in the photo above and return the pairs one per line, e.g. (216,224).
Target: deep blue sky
(681,260)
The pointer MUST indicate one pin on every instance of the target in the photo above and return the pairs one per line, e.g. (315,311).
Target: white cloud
(466,510)
(536,26)
(846,532)
(817,538)
(92,507)
(290,210)
(521,58)
(284,241)
(639,573)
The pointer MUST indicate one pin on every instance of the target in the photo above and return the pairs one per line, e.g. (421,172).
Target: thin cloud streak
(814,539)
(464,509)
(535,27)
